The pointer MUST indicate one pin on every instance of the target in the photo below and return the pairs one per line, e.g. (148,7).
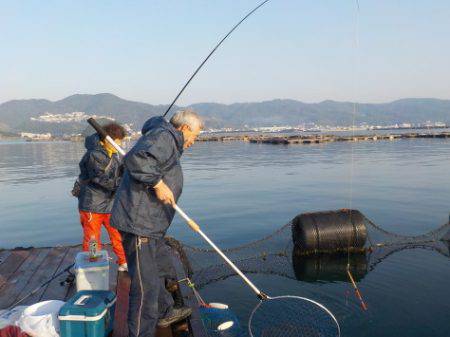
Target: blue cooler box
(90,313)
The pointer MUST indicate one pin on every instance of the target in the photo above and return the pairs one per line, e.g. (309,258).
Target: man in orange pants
(100,174)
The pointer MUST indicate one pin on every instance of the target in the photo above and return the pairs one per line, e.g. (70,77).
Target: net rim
(298,298)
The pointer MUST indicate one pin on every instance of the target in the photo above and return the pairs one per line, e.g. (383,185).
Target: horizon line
(228,104)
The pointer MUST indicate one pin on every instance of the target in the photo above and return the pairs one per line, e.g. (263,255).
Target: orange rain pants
(92,226)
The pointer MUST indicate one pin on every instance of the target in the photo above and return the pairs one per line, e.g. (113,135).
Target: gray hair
(187,117)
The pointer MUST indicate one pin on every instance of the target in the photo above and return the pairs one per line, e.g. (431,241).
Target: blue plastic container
(90,313)
(220,321)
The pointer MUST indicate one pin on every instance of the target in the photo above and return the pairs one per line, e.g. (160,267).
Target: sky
(304,50)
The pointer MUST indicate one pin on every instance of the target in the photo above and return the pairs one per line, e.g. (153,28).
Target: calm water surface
(240,192)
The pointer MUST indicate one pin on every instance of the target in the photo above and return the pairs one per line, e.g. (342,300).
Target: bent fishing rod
(212,52)
(194,226)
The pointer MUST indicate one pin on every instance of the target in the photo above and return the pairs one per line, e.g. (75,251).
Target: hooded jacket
(155,156)
(99,177)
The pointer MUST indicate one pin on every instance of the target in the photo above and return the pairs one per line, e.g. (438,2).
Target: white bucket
(41,319)
(92,275)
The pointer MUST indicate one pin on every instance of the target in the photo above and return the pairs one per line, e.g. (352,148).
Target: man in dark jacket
(100,173)
(142,211)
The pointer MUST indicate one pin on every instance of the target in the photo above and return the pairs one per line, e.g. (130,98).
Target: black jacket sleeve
(100,173)
(147,160)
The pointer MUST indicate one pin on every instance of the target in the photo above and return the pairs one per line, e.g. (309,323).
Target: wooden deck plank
(55,290)
(11,264)
(4,255)
(13,289)
(121,315)
(43,274)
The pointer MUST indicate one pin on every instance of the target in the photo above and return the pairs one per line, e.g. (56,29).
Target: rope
(436,234)
(244,246)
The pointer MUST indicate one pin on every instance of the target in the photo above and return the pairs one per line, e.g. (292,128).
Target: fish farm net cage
(318,246)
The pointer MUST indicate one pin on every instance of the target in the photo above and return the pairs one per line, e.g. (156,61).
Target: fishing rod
(65,270)
(106,137)
(212,52)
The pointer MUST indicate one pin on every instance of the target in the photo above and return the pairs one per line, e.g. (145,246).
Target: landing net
(291,316)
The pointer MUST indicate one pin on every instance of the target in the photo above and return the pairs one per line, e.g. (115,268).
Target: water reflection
(25,163)
(32,162)
(329,267)
(239,187)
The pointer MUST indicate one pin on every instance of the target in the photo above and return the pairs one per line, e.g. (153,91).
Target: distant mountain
(291,112)
(26,115)
(68,115)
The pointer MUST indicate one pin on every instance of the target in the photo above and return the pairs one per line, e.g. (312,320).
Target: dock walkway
(307,139)
(22,270)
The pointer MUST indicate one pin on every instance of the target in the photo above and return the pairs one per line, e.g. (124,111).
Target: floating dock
(22,270)
(317,138)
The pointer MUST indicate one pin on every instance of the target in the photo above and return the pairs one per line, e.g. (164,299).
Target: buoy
(329,232)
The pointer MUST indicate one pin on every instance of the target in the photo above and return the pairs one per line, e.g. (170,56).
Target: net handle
(104,136)
(197,229)
(189,221)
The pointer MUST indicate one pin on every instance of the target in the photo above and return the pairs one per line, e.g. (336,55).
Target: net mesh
(352,243)
(277,254)
(299,317)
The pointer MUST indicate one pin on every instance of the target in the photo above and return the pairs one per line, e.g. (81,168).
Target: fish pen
(318,246)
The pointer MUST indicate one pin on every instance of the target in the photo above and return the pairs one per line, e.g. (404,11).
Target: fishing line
(197,295)
(212,52)
(352,150)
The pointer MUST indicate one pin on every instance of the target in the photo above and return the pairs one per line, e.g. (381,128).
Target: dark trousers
(149,263)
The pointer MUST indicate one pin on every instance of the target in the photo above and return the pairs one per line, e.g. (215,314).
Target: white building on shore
(36,136)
